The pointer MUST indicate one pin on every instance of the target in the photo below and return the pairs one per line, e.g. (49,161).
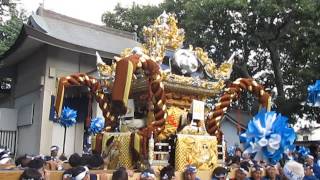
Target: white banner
(130,108)
(197,110)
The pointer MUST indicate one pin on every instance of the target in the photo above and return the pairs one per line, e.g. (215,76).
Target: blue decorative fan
(268,135)
(303,151)
(68,117)
(314,94)
(96,125)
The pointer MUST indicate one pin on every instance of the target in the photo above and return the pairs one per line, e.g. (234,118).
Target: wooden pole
(64,138)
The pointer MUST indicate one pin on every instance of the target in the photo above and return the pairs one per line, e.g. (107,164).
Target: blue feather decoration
(269,135)
(68,117)
(303,151)
(96,125)
(314,94)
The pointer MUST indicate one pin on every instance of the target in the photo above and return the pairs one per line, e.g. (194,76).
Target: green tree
(278,41)
(5,6)
(131,19)
(11,21)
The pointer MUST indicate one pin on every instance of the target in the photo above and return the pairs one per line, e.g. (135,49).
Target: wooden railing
(8,140)
(103,175)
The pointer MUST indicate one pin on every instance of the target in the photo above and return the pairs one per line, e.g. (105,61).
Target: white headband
(165,176)
(147,174)
(5,160)
(242,169)
(5,155)
(67,176)
(80,176)
(310,156)
(220,175)
(257,169)
(54,148)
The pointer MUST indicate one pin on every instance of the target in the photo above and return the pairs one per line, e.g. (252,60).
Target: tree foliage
(11,21)
(5,6)
(278,41)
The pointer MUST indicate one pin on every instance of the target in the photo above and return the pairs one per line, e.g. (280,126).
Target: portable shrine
(159,102)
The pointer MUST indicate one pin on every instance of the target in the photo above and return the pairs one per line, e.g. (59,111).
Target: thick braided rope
(95,88)
(156,96)
(156,93)
(231,94)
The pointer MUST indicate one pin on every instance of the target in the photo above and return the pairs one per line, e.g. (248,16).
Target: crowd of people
(238,166)
(293,166)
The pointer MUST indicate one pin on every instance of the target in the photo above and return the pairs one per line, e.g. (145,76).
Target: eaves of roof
(31,39)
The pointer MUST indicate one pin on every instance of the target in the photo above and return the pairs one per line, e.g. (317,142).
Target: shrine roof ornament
(164,40)
(163,34)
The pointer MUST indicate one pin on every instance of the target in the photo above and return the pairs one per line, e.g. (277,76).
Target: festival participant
(75,160)
(167,173)
(148,174)
(309,160)
(293,170)
(219,173)
(31,173)
(235,162)
(308,173)
(280,170)
(315,165)
(63,158)
(262,163)
(190,173)
(316,169)
(95,162)
(80,173)
(22,162)
(5,159)
(38,164)
(53,161)
(54,150)
(256,172)
(85,159)
(120,174)
(246,157)
(67,174)
(272,173)
(242,172)
(238,152)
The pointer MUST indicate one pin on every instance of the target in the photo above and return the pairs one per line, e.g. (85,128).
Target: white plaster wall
(8,119)
(29,135)
(313,136)
(28,90)
(230,133)
(64,63)
(73,136)
(300,136)
(35,86)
